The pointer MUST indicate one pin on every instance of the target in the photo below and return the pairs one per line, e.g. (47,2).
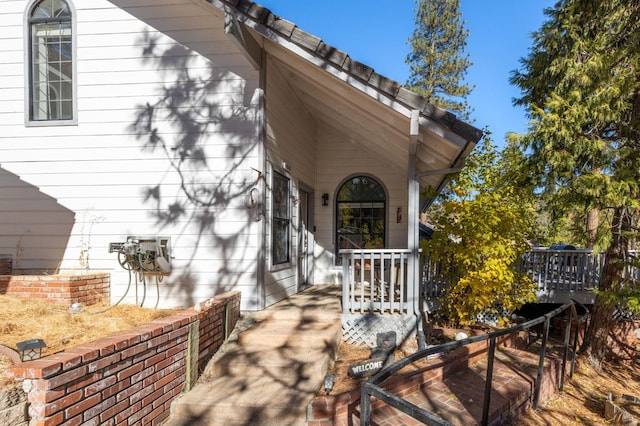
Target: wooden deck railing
(562,275)
(377,281)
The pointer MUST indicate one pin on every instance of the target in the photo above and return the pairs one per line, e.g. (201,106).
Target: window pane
(52,9)
(360,216)
(280,219)
(51,62)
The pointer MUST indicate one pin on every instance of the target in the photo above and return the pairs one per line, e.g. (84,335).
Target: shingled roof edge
(362,72)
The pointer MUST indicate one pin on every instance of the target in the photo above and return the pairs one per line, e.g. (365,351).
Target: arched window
(51,96)
(360,214)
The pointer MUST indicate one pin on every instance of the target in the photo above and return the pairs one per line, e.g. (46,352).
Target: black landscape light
(30,349)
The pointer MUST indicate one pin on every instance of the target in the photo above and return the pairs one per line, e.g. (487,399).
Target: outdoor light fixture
(30,349)
(329,381)
(325,199)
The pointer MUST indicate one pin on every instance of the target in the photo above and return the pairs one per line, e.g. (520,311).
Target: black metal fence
(373,387)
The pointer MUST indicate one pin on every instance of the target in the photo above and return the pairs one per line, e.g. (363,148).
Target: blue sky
(376,32)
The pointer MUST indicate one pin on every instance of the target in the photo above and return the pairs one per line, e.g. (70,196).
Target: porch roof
(369,108)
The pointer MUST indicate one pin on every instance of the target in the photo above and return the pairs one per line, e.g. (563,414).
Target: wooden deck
(387,287)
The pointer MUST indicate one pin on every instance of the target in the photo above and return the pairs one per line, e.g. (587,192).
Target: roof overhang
(365,106)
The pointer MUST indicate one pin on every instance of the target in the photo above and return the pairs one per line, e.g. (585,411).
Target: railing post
(365,405)
(545,335)
(487,384)
(346,282)
(565,344)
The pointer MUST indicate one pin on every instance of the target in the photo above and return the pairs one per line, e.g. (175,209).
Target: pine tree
(437,61)
(581,85)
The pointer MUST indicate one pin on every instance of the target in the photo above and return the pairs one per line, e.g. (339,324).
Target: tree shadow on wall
(202,126)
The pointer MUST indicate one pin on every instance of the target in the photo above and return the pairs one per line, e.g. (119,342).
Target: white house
(252,148)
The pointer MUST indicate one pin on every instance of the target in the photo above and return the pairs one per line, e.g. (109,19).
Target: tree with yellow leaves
(482,228)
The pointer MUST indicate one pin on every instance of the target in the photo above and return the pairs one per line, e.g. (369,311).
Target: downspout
(413,240)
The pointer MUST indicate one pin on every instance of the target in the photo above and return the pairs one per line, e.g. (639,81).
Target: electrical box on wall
(147,254)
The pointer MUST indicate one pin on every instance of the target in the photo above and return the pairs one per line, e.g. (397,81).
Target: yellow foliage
(481,234)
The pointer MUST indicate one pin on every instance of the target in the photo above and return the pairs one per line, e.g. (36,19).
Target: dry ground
(22,319)
(584,396)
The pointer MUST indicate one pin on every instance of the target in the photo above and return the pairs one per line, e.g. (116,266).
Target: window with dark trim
(360,215)
(280,219)
(51,62)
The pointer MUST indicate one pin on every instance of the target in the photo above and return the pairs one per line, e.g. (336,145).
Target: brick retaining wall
(130,377)
(64,290)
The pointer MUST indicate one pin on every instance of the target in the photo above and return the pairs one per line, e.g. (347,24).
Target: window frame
(29,63)
(372,205)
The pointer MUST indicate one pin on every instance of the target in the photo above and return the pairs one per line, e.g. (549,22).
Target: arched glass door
(360,215)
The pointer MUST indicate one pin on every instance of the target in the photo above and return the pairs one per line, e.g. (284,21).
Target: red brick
(45,396)
(158,340)
(153,414)
(166,379)
(134,350)
(113,390)
(76,421)
(154,359)
(139,414)
(38,369)
(153,378)
(138,396)
(108,414)
(152,397)
(175,388)
(129,371)
(100,385)
(140,357)
(177,351)
(83,405)
(83,382)
(142,375)
(85,352)
(126,393)
(159,418)
(104,362)
(94,412)
(115,368)
(173,363)
(127,413)
(49,409)
(54,420)
(68,377)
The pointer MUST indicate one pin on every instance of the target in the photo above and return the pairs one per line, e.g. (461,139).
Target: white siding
(290,140)
(322,157)
(107,172)
(348,157)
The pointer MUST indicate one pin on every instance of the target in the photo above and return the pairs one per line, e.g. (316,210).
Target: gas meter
(148,254)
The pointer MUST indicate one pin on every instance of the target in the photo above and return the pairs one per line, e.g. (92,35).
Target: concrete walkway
(276,361)
(273,372)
